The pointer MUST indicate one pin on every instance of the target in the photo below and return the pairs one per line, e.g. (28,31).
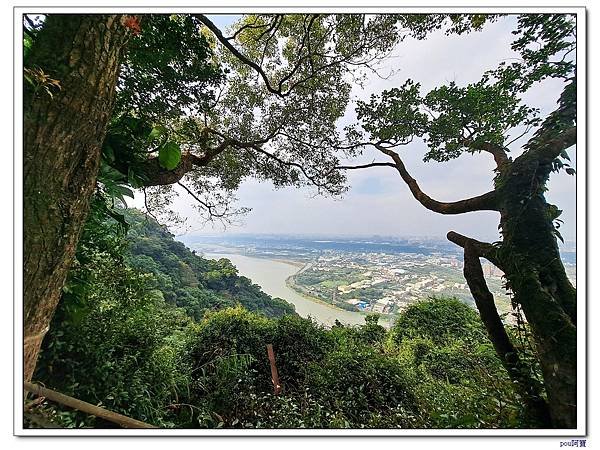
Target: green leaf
(169,155)
(156,132)
(122,190)
(27,44)
(565,155)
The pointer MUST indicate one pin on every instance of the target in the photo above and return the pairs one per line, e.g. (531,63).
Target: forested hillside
(147,328)
(119,314)
(189,281)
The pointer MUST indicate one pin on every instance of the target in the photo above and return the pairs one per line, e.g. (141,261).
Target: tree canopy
(262,102)
(152,101)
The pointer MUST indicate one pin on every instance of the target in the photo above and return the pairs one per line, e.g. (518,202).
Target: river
(271,274)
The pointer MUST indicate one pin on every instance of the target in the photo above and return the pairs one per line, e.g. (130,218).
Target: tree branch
(313,179)
(495,150)
(483,249)
(299,62)
(156,175)
(365,166)
(353,58)
(87,408)
(148,211)
(529,388)
(207,206)
(245,27)
(550,149)
(243,58)
(485,202)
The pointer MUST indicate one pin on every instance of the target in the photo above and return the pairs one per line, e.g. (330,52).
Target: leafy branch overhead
(262,102)
(114,103)
(450,119)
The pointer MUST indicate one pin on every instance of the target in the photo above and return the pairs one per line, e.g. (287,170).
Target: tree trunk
(535,274)
(530,258)
(556,342)
(63,133)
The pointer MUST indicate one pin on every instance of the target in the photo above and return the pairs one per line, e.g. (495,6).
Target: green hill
(146,328)
(186,280)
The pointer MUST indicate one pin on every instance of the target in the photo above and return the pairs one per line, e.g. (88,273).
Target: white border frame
(581,227)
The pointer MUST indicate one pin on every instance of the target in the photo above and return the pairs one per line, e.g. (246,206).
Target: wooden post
(88,408)
(274,375)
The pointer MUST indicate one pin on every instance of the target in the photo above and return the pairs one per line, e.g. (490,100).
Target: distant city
(375,274)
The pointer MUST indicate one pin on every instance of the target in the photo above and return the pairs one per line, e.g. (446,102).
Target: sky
(378,202)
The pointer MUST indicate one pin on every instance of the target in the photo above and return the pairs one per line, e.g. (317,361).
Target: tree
(91,122)
(70,71)
(263,102)
(74,67)
(478,118)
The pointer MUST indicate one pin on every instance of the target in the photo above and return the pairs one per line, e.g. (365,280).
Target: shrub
(363,387)
(438,319)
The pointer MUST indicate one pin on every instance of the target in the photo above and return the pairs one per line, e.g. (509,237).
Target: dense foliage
(132,330)
(207,110)
(189,281)
(133,334)
(494,115)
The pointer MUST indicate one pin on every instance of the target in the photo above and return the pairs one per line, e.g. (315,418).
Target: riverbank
(385,320)
(290,282)
(271,276)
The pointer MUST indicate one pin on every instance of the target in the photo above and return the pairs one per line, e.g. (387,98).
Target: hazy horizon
(567,246)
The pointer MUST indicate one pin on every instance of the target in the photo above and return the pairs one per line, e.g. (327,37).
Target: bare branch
(483,249)
(148,211)
(485,202)
(210,208)
(365,166)
(527,130)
